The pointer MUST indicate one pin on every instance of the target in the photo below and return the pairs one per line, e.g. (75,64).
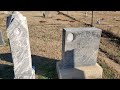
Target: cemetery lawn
(46,42)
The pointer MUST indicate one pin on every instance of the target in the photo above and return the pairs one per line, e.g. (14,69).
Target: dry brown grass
(111,70)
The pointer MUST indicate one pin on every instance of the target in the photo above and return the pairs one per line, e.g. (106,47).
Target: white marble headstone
(17,32)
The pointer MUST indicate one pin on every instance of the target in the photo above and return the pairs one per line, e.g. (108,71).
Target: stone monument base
(83,72)
(27,76)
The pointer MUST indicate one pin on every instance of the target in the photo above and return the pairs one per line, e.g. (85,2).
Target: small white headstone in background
(98,22)
(45,13)
(86,14)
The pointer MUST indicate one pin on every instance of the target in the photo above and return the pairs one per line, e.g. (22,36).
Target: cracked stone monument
(17,32)
(79,54)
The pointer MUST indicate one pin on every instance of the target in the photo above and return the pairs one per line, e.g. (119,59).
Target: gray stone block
(80,46)
(79,54)
(82,72)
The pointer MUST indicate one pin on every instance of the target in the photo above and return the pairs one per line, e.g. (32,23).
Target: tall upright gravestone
(79,54)
(17,32)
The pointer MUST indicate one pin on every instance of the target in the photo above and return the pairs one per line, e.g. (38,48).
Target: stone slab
(82,72)
(80,46)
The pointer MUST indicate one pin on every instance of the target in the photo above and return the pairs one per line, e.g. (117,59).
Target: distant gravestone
(86,14)
(79,49)
(98,22)
(17,32)
(45,14)
(1,39)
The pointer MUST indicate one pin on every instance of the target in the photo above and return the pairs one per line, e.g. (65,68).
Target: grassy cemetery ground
(46,42)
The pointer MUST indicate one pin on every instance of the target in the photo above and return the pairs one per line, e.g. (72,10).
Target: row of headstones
(79,50)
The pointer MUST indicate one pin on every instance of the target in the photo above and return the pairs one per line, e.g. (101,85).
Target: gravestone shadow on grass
(7,57)
(113,38)
(45,68)
(39,16)
(6,71)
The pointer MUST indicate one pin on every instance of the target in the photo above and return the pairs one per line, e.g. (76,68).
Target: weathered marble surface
(17,32)
(80,46)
